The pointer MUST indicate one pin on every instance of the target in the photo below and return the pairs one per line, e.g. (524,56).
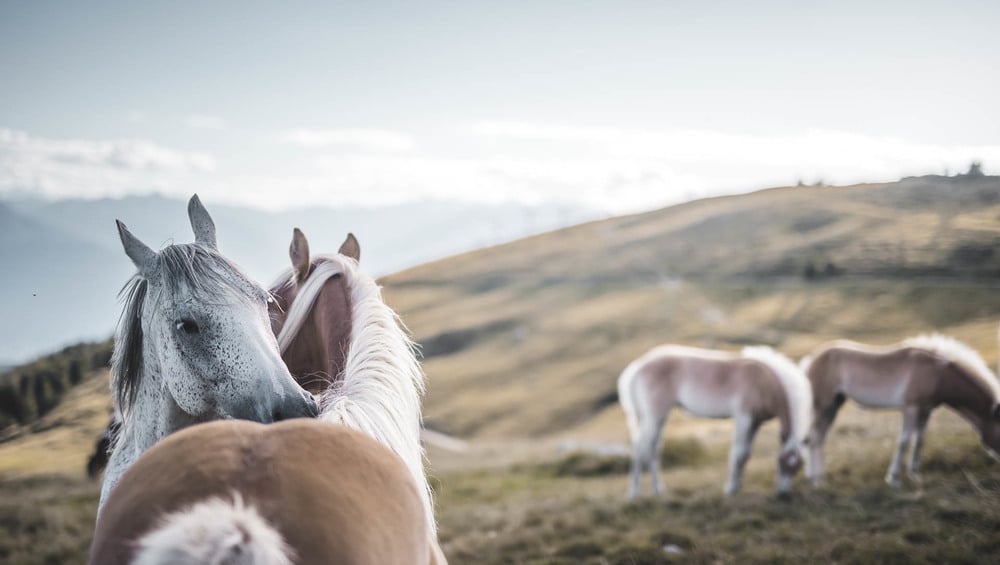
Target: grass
(525,342)
(46,519)
(535,505)
(529,514)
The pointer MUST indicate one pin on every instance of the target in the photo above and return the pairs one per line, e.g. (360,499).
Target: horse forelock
(325,268)
(793,381)
(968,359)
(204,272)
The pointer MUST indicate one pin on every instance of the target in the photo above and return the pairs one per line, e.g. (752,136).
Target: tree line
(30,391)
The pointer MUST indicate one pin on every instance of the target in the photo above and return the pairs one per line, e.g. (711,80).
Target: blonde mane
(303,303)
(214,532)
(796,385)
(962,355)
(382,383)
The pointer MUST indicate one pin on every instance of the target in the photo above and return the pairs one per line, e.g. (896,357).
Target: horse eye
(187,326)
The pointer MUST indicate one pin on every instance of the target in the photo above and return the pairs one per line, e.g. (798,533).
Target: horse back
(706,384)
(333,494)
(876,377)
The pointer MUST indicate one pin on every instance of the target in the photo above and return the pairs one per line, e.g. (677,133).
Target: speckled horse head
(194,344)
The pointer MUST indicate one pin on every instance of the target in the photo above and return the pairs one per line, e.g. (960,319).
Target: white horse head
(194,344)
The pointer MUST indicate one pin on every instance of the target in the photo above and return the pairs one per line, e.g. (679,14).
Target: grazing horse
(234,492)
(916,376)
(341,341)
(752,387)
(193,345)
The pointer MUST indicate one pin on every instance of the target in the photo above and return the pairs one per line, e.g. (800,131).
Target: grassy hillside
(528,338)
(524,342)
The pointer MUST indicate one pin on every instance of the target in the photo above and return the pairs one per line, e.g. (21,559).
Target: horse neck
(152,416)
(964,394)
(784,412)
(382,383)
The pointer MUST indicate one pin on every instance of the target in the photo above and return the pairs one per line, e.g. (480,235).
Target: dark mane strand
(126,362)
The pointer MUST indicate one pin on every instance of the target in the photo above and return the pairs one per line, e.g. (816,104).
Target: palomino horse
(753,387)
(193,345)
(234,492)
(916,376)
(343,342)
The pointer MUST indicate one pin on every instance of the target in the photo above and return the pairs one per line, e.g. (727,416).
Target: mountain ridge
(79,243)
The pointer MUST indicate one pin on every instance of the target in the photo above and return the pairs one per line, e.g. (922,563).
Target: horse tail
(626,396)
(797,389)
(214,531)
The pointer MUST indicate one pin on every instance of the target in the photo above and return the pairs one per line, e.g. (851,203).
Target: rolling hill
(523,343)
(528,338)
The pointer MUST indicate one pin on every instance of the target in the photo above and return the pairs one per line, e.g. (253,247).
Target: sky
(613,106)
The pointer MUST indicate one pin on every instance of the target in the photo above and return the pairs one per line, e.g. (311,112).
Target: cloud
(76,167)
(200,121)
(608,169)
(376,140)
(728,161)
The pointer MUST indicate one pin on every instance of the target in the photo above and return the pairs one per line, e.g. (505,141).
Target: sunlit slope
(528,338)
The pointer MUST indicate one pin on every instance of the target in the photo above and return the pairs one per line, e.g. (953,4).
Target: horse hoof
(893,481)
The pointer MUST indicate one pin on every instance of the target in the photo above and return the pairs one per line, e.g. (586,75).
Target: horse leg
(743,434)
(817,438)
(654,458)
(923,415)
(645,452)
(635,468)
(892,477)
(643,449)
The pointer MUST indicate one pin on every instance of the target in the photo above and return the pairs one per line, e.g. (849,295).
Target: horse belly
(705,401)
(874,394)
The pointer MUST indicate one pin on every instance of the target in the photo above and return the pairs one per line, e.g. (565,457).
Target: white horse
(753,387)
(193,344)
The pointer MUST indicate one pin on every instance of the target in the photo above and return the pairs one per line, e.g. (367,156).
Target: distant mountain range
(61,264)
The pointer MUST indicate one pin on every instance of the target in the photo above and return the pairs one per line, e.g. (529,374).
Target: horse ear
(141,255)
(201,223)
(351,248)
(298,252)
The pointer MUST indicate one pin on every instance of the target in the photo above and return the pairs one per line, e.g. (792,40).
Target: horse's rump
(333,494)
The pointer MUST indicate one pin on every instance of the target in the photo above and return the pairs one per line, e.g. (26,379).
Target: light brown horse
(752,387)
(341,341)
(234,492)
(916,376)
